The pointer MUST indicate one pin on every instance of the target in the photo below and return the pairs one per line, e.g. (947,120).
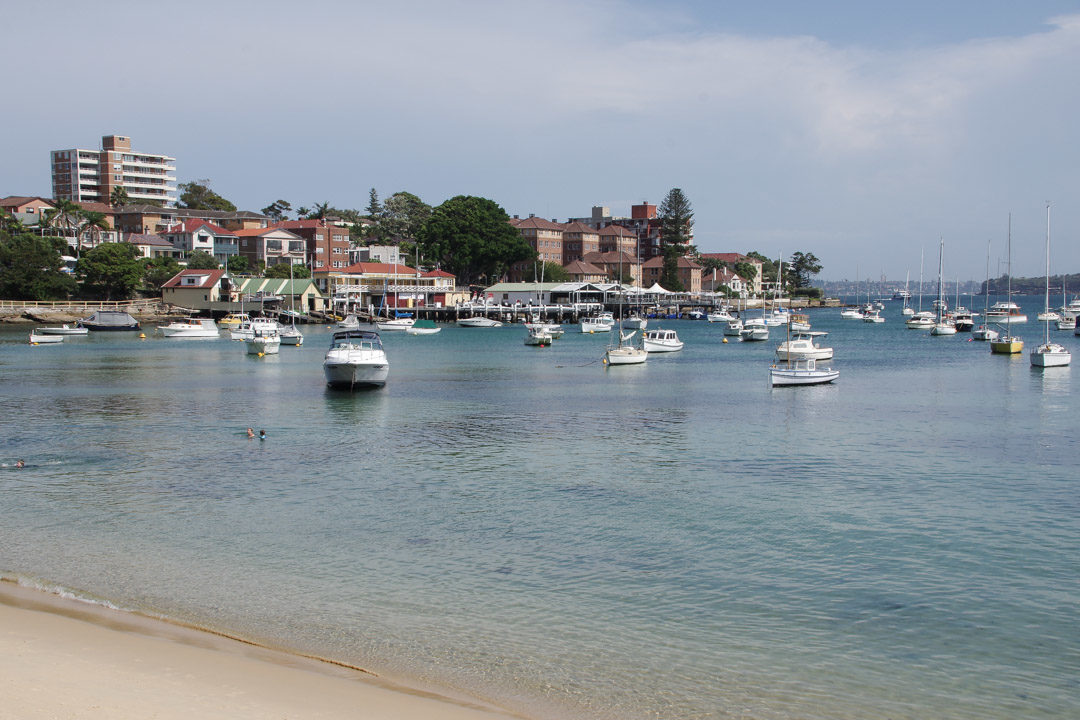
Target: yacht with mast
(1006,344)
(1049,354)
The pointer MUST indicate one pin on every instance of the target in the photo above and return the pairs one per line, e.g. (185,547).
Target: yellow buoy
(725,339)
(142,336)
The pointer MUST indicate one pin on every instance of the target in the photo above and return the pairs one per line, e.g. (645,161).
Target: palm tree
(119,196)
(64,215)
(93,222)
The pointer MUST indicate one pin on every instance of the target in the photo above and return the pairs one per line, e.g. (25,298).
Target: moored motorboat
(258,324)
(803,371)
(537,336)
(478,322)
(395,324)
(191,327)
(802,345)
(291,336)
(63,330)
(233,320)
(110,320)
(660,340)
(921,320)
(1006,312)
(355,359)
(754,330)
(598,324)
(263,342)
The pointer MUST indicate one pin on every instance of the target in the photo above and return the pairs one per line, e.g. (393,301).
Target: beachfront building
(377,287)
(544,236)
(578,240)
(581,271)
(621,266)
(753,286)
(82,175)
(388,254)
(716,279)
(615,238)
(27,209)
(275,294)
(689,274)
(148,219)
(271,246)
(196,289)
(199,235)
(326,244)
(152,246)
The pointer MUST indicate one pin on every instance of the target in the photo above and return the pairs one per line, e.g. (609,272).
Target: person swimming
(251,432)
(262,434)
(20,463)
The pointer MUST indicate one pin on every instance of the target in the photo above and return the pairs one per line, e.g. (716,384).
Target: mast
(922,254)
(1008,286)
(940,267)
(1046,304)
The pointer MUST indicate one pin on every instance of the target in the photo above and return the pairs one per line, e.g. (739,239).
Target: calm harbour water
(674,540)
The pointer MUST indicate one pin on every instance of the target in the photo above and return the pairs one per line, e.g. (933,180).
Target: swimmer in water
(262,434)
(20,463)
(251,433)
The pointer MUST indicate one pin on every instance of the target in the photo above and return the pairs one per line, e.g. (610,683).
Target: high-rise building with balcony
(91,175)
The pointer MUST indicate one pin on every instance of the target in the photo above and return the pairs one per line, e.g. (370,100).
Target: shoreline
(73,658)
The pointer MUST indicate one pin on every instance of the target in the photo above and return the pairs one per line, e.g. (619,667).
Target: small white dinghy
(64,330)
(802,371)
(36,339)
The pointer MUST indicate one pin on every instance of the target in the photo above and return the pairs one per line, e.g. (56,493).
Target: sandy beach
(61,658)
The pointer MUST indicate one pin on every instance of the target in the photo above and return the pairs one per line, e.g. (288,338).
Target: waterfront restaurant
(366,287)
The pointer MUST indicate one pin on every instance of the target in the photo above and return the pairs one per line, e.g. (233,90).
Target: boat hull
(478,322)
(1052,355)
(355,374)
(779,377)
(63,330)
(626,356)
(1007,346)
(45,339)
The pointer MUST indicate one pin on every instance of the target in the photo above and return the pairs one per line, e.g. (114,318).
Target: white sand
(59,659)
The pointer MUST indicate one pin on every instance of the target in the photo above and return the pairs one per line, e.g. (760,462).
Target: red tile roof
(190,226)
(536,223)
(257,232)
(580,227)
(618,230)
(212,276)
(370,268)
(437,273)
(579,267)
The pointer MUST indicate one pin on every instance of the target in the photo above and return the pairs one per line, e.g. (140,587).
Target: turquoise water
(520,524)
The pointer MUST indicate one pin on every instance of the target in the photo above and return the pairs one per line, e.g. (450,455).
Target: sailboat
(853,313)
(908,310)
(1049,354)
(1007,344)
(984,331)
(620,351)
(920,320)
(290,335)
(943,325)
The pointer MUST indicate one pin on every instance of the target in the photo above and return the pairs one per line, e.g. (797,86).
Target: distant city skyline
(859,132)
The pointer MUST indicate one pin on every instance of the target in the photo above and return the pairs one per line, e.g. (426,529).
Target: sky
(861,132)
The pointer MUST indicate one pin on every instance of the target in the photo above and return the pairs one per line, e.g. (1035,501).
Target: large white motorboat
(537,334)
(264,325)
(191,327)
(555,330)
(1049,354)
(478,322)
(921,320)
(635,322)
(803,345)
(64,330)
(603,322)
(803,371)
(263,342)
(722,315)
(356,359)
(660,340)
(852,313)
(872,316)
(1008,313)
(733,328)
(754,330)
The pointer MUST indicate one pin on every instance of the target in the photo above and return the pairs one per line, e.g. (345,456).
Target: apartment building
(545,237)
(327,244)
(82,175)
(689,273)
(271,246)
(579,240)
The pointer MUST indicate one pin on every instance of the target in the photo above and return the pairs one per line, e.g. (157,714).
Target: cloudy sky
(861,132)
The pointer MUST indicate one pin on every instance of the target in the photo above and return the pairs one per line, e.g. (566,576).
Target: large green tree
(111,271)
(676,223)
(197,195)
(801,268)
(403,215)
(279,210)
(472,237)
(202,260)
(158,271)
(30,268)
(281,270)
